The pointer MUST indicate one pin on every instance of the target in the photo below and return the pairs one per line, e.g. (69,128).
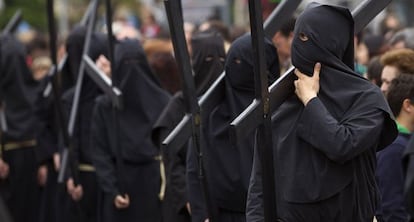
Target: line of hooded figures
(341,145)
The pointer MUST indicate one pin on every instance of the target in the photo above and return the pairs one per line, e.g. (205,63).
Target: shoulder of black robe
(228,167)
(19,89)
(168,119)
(208,55)
(358,108)
(143,100)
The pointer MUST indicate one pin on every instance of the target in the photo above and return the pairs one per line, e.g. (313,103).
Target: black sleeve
(254,205)
(195,194)
(46,133)
(340,141)
(177,164)
(103,159)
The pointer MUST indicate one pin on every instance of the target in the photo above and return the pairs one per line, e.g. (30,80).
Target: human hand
(76,192)
(121,202)
(56,161)
(307,87)
(187,205)
(4,169)
(104,65)
(42,175)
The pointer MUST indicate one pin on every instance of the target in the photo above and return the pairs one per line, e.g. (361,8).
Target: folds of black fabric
(208,63)
(327,147)
(143,101)
(19,92)
(227,166)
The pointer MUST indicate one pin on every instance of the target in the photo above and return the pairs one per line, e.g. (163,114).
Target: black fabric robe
(19,92)
(81,138)
(143,102)
(325,152)
(408,167)
(228,166)
(208,63)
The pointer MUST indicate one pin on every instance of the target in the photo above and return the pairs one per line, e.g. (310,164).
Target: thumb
(70,184)
(126,198)
(316,70)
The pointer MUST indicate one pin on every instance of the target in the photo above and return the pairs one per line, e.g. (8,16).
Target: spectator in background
(389,173)
(149,27)
(283,41)
(189,29)
(236,32)
(390,25)
(267,7)
(395,62)
(38,56)
(404,8)
(374,70)
(161,60)
(369,47)
(403,39)
(217,26)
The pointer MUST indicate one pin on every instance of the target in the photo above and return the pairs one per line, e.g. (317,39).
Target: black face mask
(208,57)
(239,64)
(323,34)
(74,47)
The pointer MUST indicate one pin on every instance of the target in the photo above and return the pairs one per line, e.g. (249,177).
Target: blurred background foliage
(34,11)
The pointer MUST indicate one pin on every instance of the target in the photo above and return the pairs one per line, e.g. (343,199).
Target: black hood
(317,38)
(208,56)
(74,48)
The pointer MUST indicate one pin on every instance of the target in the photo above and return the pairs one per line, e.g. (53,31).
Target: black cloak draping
(228,166)
(208,56)
(325,152)
(143,102)
(81,136)
(19,92)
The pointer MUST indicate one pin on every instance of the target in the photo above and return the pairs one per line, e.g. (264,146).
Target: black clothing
(408,167)
(325,152)
(143,101)
(390,180)
(208,63)
(228,166)
(89,89)
(19,91)
(208,57)
(86,209)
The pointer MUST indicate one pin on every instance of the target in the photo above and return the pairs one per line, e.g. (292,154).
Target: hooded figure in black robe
(325,151)
(208,57)
(19,93)
(81,136)
(228,166)
(143,101)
